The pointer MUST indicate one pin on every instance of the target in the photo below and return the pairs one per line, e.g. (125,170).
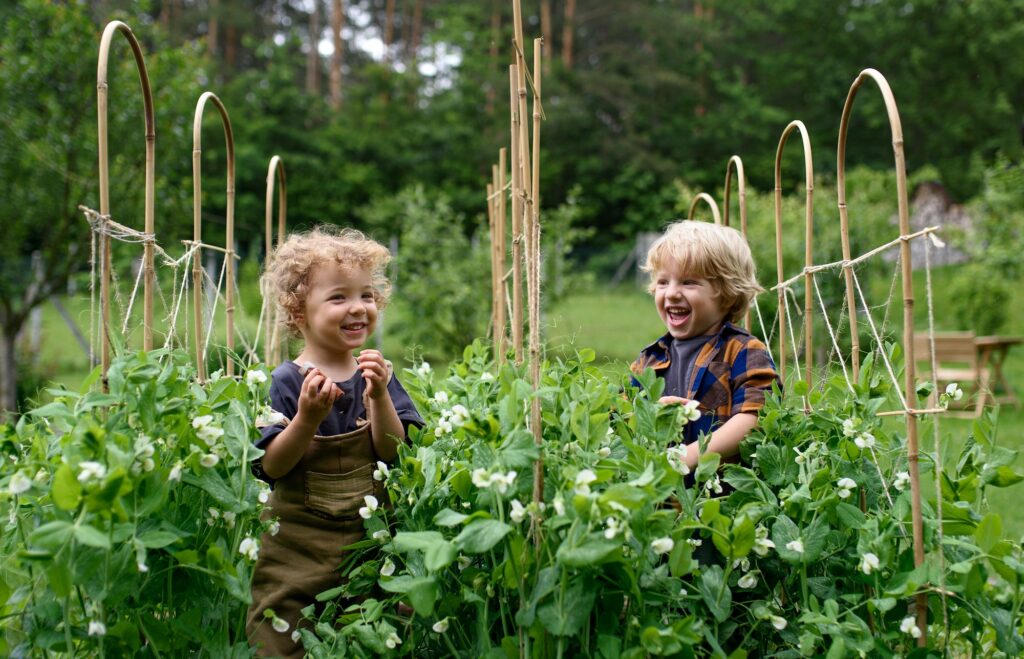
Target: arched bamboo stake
(741,184)
(710,201)
(272,345)
(147,254)
(808,249)
(896,130)
(197,232)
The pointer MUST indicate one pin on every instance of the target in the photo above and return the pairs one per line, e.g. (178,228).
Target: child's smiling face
(340,312)
(689,305)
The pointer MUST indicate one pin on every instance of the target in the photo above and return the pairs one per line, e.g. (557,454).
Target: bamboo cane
(797,125)
(538,480)
(491,231)
(197,232)
(517,219)
(741,184)
(896,130)
(500,333)
(272,346)
(104,184)
(710,201)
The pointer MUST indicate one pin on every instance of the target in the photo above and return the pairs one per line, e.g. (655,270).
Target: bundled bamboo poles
(496,221)
(197,233)
(710,201)
(798,126)
(896,129)
(104,185)
(735,162)
(271,340)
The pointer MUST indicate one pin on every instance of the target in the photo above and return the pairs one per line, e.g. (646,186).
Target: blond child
(702,278)
(343,412)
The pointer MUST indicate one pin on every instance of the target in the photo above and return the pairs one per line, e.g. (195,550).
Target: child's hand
(317,396)
(673,400)
(375,372)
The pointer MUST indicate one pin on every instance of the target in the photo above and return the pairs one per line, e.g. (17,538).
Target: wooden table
(992,351)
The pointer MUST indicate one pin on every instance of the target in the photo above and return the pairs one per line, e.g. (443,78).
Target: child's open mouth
(677,316)
(354,327)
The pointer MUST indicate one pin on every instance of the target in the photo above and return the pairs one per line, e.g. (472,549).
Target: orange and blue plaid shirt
(731,375)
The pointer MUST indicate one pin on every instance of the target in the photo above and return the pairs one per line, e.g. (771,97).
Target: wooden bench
(958,360)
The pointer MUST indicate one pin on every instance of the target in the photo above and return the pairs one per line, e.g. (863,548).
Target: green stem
(803,585)
(67,625)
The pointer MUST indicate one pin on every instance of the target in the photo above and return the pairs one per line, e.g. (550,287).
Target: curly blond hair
(714,252)
(287,272)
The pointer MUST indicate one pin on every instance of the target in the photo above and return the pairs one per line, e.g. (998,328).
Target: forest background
(389,113)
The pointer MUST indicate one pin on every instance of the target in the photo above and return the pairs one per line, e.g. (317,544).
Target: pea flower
(503,481)
(677,459)
(97,628)
(464,562)
(90,470)
(20,483)
(142,567)
(387,569)
(604,452)
(423,370)
(761,542)
(205,430)
(714,484)
(441,397)
(296,636)
(392,641)
(280,625)
(274,528)
(559,505)
(690,411)
(612,527)
(850,427)
(902,480)
(748,580)
(209,460)
(583,481)
(518,511)
(865,440)
(869,562)
(778,622)
(366,512)
(269,417)
(381,472)
(249,548)
(481,478)
(909,626)
(175,474)
(459,415)
(444,427)
(846,486)
(486,377)
(441,626)
(255,376)
(795,545)
(382,535)
(662,545)
(954,391)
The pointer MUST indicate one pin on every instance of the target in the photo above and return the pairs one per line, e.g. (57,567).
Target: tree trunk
(313,59)
(211,36)
(545,31)
(337,57)
(493,54)
(568,30)
(8,373)
(417,26)
(231,46)
(389,28)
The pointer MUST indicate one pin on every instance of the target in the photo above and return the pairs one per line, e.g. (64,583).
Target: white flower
(459,414)
(748,580)
(444,427)
(392,641)
(280,625)
(20,483)
(441,626)
(695,542)
(583,481)
(90,470)
(381,472)
(865,440)
(148,464)
(249,548)
(795,545)
(464,562)
(142,567)
(662,545)
(677,459)
(382,535)
(604,452)
(175,474)
(209,460)
(761,542)
(202,421)
(255,376)
(778,622)
(263,496)
(486,377)
(849,427)
(441,397)
(559,505)
(902,480)
(714,484)
(518,511)
(690,411)
(97,628)
(909,626)
(296,636)
(503,481)
(388,568)
(846,486)
(366,512)
(612,527)
(229,519)
(274,528)
(869,563)
(209,434)
(269,417)
(423,370)
(214,513)
(481,478)
(42,476)
(954,391)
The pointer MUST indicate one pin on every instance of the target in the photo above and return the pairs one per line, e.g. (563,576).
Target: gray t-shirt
(683,355)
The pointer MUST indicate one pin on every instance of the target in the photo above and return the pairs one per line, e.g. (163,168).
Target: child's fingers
(672,400)
(312,383)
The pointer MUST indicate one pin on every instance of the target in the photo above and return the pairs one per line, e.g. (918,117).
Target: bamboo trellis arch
(271,341)
(710,201)
(735,162)
(104,188)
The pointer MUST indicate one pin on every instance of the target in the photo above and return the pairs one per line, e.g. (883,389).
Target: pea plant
(132,518)
(801,549)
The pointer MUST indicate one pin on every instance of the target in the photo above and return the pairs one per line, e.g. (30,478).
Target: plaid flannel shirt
(731,375)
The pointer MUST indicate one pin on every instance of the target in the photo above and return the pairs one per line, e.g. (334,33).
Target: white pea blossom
(382,535)
(229,519)
(869,562)
(481,478)
(690,411)
(392,641)
(142,567)
(201,421)
(263,496)
(210,434)
(796,545)
(714,485)
(865,440)
(366,512)
(778,622)
(274,528)
(761,542)
(175,474)
(269,417)
(255,376)
(850,427)
(90,470)
(583,481)
(954,391)
(748,580)
(486,377)
(503,481)
(249,548)
(280,625)
(97,628)
(612,527)
(42,476)
(387,569)
(464,562)
(695,542)
(604,452)
(677,459)
(518,511)
(381,472)
(909,626)
(441,397)
(459,415)
(19,483)
(662,545)
(902,480)
(559,505)
(444,427)
(423,370)
(441,626)
(209,460)
(846,486)
(296,636)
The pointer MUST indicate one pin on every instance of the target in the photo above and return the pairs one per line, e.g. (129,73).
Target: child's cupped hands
(375,372)
(673,400)
(317,395)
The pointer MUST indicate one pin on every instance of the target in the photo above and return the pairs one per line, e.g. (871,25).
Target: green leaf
(989,532)
(741,537)
(850,516)
(565,616)
(157,539)
(90,535)
(66,490)
(449,517)
(421,591)
(481,535)
(595,550)
(438,553)
(52,535)
(715,592)
(624,494)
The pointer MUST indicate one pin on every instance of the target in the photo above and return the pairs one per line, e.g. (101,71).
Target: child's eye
(337,296)
(368,296)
